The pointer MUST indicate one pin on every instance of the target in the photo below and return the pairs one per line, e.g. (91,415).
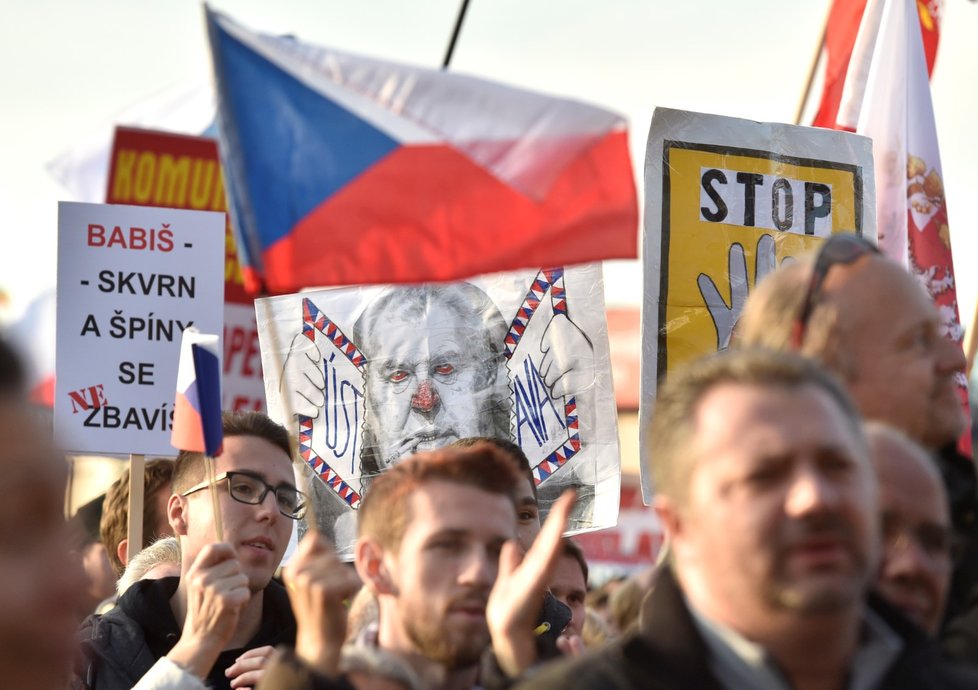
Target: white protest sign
(375,374)
(130,279)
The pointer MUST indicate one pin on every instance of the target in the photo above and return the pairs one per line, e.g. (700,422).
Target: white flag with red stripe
(897,113)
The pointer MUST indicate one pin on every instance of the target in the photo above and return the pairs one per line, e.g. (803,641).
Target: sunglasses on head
(842,248)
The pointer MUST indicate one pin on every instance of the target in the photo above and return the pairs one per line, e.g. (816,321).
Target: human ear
(176,514)
(671,518)
(369,561)
(122,551)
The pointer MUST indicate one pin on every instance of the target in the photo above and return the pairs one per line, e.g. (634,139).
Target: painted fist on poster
(304,369)
(567,366)
(725,315)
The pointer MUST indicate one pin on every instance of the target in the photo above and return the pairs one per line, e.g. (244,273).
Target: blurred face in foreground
(916,570)
(779,521)
(40,585)
(439,578)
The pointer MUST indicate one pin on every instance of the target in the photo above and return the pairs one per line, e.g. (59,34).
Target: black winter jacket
(122,645)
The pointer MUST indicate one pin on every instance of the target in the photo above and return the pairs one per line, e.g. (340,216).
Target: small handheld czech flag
(197,410)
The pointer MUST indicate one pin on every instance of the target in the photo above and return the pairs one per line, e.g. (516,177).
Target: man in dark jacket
(219,620)
(769,503)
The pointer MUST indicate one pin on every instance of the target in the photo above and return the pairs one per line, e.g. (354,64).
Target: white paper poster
(371,375)
(130,279)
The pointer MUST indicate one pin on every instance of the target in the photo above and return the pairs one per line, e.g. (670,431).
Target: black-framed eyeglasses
(841,248)
(249,488)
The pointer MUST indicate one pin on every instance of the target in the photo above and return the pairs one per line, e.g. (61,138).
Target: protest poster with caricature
(726,201)
(367,376)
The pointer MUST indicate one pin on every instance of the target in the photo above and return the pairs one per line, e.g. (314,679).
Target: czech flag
(197,411)
(347,170)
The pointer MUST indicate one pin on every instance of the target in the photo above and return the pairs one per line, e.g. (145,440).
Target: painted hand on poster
(568,357)
(725,315)
(372,375)
(303,371)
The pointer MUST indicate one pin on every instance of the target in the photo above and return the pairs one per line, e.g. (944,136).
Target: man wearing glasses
(219,621)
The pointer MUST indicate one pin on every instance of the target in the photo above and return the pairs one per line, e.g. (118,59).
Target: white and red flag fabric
(841,28)
(894,108)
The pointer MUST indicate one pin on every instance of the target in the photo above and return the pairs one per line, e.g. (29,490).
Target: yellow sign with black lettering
(727,201)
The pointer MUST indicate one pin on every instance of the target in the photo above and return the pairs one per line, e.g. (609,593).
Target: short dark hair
(114,525)
(515,453)
(569,547)
(189,467)
(384,510)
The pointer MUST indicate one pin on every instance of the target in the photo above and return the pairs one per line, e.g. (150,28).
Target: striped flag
(343,169)
(197,410)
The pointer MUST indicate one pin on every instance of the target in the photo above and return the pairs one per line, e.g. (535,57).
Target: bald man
(915,572)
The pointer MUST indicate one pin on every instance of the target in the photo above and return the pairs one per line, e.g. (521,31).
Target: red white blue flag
(349,170)
(197,411)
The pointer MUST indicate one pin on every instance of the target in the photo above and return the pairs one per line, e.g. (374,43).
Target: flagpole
(971,343)
(811,72)
(218,524)
(455,33)
(137,472)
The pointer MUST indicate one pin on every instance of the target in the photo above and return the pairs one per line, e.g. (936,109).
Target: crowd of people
(819,523)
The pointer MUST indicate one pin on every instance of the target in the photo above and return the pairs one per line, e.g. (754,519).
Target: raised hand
(567,366)
(514,602)
(303,378)
(217,590)
(319,585)
(249,668)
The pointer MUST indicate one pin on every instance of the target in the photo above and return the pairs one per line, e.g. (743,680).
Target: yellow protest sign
(728,200)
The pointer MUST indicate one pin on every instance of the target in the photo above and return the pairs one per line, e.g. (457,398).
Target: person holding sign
(218,621)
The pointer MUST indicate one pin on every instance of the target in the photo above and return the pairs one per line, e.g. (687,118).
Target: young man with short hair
(218,621)
(437,549)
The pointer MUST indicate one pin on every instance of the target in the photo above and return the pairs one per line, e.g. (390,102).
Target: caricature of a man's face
(430,380)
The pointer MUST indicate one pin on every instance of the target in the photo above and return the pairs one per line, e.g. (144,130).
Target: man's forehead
(732,414)
(257,455)
(909,482)
(446,505)
(880,290)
